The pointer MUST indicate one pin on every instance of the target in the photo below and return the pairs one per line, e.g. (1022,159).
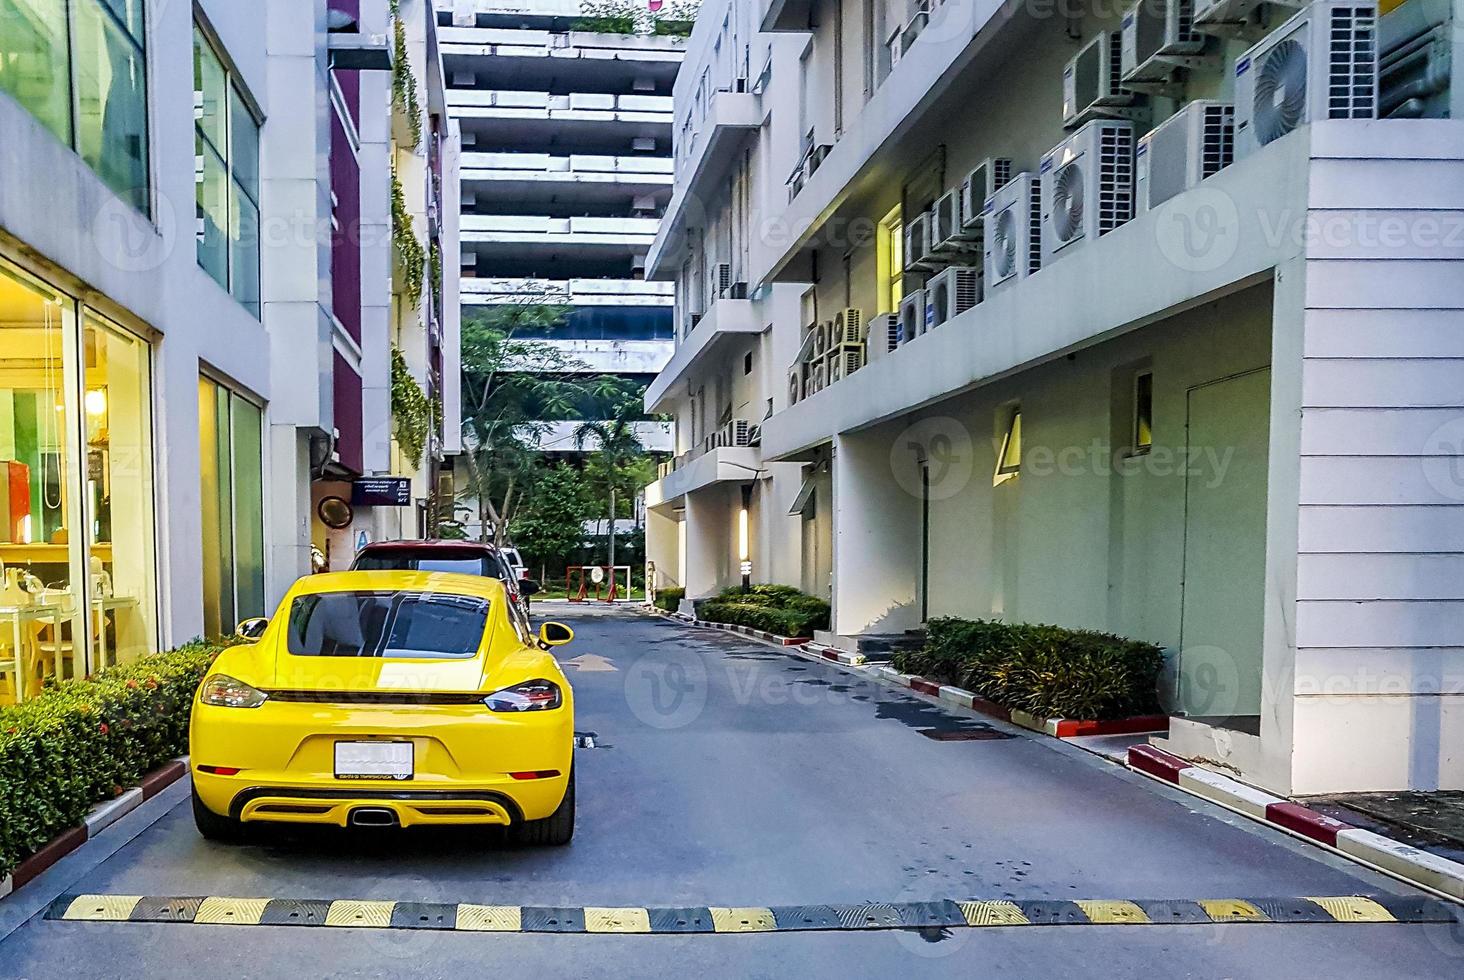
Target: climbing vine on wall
(404,80)
(409,247)
(411,413)
(435,265)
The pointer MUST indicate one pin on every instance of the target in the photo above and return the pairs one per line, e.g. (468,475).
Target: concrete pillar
(708,543)
(876,534)
(777,536)
(663,532)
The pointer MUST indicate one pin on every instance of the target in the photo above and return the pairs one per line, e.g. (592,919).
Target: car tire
(225,830)
(555,830)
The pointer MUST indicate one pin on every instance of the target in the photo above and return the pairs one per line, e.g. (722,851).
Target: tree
(619,465)
(511,385)
(550,527)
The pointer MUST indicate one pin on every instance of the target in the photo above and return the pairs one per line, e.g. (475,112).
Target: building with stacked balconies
(1143,320)
(566,170)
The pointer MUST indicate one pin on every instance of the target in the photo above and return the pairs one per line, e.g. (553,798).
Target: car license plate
(373,760)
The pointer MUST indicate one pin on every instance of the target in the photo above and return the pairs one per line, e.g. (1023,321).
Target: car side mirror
(251,629)
(528,587)
(555,634)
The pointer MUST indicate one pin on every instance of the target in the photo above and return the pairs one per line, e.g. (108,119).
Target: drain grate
(964,734)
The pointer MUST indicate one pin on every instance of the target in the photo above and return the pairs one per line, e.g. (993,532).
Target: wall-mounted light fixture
(744,539)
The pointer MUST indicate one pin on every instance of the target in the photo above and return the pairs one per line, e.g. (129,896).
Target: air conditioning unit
(947,236)
(1194,143)
(722,277)
(1156,36)
(1092,82)
(912,315)
(1233,18)
(984,180)
(795,384)
(848,327)
(820,377)
(919,17)
(844,360)
(918,241)
(735,433)
(1320,64)
(1013,219)
(821,339)
(952,292)
(1087,185)
(884,334)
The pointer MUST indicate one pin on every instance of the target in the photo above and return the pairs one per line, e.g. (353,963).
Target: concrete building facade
(1180,363)
(188,210)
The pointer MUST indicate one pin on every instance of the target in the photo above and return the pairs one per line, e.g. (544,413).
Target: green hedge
(81,742)
(669,600)
(1048,671)
(779,609)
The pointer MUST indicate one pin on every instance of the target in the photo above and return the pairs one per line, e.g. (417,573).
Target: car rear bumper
(463,773)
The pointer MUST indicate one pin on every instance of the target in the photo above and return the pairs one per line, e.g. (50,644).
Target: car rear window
(401,559)
(405,625)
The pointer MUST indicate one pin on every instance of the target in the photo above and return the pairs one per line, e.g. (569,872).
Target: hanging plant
(414,257)
(404,82)
(411,412)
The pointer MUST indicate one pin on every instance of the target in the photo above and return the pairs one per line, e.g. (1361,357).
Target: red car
(462,557)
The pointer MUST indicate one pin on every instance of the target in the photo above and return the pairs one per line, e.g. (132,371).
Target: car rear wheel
(214,827)
(555,830)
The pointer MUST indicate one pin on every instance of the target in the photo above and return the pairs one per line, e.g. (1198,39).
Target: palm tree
(618,448)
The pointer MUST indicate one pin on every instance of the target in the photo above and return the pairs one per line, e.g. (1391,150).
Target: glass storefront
(231,470)
(77,552)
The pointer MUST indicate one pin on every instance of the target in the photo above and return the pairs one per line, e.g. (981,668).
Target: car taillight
(223,691)
(535,695)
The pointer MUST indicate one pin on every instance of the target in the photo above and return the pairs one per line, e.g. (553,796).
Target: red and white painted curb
(1056,727)
(99,818)
(1394,857)
(836,655)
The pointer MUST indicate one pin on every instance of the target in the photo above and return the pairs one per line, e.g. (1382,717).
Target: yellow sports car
(387,698)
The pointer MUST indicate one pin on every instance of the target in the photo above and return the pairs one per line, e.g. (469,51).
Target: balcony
(515,43)
(560,437)
(726,456)
(612,356)
(515,229)
(701,165)
(569,292)
(1131,277)
(726,319)
(785,15)
(578,106)
(622,171)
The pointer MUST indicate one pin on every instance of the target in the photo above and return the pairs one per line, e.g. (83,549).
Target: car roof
(396,580)
(431,544)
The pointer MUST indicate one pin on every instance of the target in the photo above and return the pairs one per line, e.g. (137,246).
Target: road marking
(986,914)
(592,663)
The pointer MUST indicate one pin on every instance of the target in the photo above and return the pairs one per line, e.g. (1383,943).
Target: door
(1223,592)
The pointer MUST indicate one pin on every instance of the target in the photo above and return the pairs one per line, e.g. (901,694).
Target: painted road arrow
(591,663)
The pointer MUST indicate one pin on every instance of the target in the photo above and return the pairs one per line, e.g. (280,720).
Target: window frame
(1012,435)
(1138,397)
(235,95)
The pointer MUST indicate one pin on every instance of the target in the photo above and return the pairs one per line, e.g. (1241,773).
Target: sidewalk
(1432,822)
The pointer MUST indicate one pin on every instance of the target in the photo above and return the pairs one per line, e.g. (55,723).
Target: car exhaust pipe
(373,816)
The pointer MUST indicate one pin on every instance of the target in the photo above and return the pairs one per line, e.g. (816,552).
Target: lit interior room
(77,563)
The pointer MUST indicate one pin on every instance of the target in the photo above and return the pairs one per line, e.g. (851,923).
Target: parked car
(466,557)
(515,561)
(391,699)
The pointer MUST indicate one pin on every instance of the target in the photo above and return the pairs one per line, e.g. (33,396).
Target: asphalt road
(727,773)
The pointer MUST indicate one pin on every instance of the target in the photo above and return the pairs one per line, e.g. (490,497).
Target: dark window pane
(402,625)
(129,13)
(244,146)
(213,216)
(34,64)
(111,102)
(244,250)
(210,90)
(404,560)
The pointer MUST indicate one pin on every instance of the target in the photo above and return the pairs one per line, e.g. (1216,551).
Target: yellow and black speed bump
(377,914)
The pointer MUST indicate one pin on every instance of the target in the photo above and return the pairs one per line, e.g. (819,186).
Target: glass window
(890,260)
(41,626)
(402,625)
(1143,411)
(1009,460)
(227,140)
(121,561)
(34,62)
(400,559)
(232,485)
(111,100)
(78,66)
